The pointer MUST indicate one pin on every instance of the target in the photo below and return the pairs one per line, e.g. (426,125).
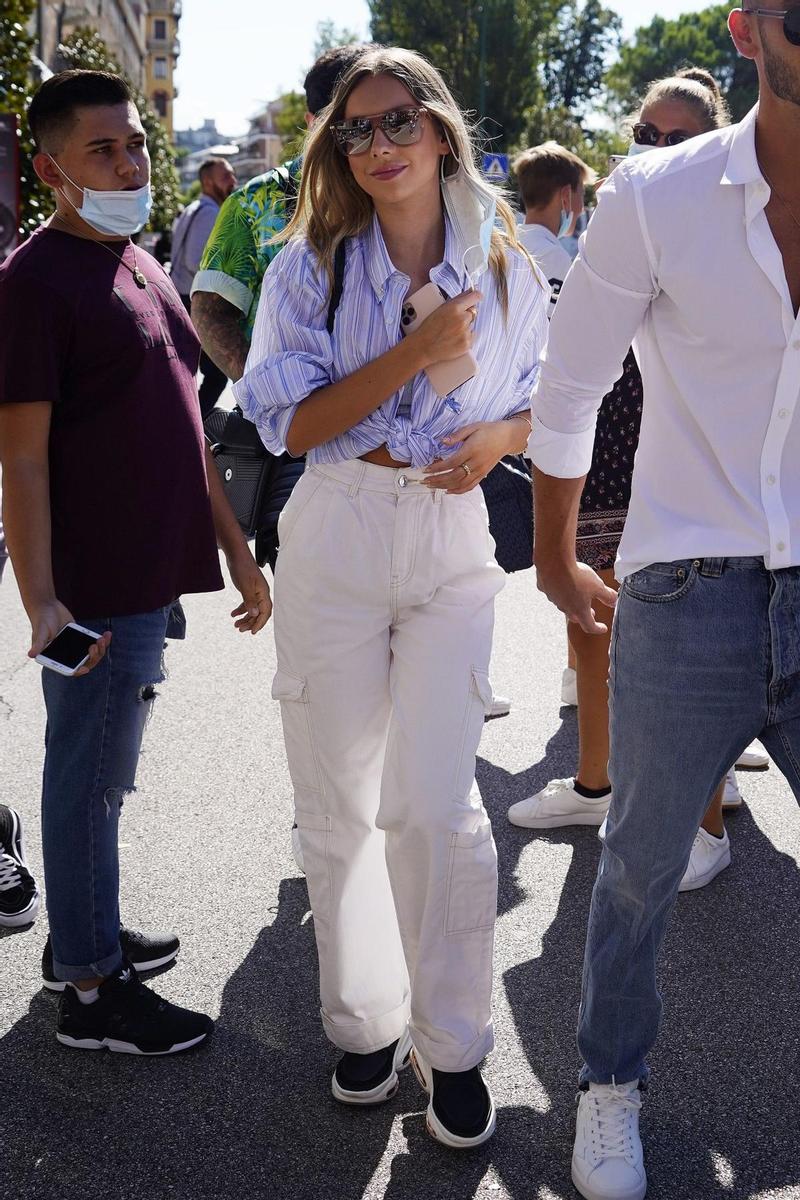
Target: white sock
(86,997)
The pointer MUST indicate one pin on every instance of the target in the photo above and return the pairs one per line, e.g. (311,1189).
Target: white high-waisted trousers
(384,609)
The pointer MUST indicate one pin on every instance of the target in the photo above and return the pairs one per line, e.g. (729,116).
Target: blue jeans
(705,656)
(94,733)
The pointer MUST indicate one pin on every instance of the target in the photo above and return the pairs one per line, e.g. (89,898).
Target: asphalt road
(205,851)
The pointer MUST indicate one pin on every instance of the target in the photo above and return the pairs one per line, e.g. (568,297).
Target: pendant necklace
(784,202)
(138,277)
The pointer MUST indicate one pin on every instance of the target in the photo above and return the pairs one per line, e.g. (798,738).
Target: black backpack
(256,482)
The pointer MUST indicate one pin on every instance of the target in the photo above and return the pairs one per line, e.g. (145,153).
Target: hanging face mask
(120,213)
(471,208)
(635,149)
(566,222)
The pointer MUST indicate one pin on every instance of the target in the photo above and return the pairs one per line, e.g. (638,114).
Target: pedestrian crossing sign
(495,167)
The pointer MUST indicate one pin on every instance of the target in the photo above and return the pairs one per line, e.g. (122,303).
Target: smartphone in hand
(444,377)
(69,649)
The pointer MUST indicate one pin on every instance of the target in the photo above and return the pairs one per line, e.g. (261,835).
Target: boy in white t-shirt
(552,181)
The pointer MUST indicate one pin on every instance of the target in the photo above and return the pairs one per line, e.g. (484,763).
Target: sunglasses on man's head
(790,17)
(645,133)
(403,126)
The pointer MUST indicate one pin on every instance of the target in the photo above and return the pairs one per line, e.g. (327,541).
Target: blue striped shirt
(292,354)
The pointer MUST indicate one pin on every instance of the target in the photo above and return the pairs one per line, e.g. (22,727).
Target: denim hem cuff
(104,966)
(587,1076)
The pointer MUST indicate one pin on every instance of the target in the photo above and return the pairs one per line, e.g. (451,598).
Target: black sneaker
(146,951)
(371,1078)
(19,895)
(461,1111)
(128,1018)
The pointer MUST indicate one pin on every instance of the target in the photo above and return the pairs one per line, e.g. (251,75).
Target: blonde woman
(386,578)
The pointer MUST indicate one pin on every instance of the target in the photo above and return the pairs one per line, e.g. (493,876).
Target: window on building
(160,30)
(160,103)
(161,68)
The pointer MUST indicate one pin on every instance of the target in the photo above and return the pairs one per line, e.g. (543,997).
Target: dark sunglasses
(647,134)
(791,20)
(403,126)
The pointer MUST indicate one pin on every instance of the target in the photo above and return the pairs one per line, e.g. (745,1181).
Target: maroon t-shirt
(131,516)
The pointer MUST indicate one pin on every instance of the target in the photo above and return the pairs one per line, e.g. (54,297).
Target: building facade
(142,35)
(163,48)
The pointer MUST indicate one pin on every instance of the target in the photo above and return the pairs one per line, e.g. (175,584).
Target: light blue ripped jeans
(705,656)
(94,734)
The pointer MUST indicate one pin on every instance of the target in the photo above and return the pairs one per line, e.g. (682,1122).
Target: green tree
(329,35)
(488,50)
(662,47)
(16,87)
(291,122)
(86,50)
(576,53)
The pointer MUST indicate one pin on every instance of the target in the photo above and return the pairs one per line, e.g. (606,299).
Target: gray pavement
(205,851)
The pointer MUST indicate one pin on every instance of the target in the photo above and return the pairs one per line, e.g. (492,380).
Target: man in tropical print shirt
(227,287)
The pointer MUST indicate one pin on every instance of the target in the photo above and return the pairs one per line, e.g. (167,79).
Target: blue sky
(238,53)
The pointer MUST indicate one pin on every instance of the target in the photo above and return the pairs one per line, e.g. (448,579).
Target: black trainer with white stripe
(146,951)
(19,895)
(128,1018)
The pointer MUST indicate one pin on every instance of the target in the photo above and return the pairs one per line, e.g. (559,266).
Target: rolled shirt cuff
(562,455)
(223,285)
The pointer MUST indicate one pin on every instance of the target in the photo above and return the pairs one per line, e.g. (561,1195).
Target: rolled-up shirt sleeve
(602,304)
(290,354)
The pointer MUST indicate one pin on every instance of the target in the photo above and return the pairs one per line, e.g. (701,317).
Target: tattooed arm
(219,327)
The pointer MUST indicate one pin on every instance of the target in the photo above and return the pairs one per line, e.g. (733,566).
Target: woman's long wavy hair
(331,205)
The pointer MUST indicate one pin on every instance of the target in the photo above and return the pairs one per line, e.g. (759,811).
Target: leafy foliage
(291,122)
(16,87)
(488,51)
(662,47)
(576,52)
(329,35)
(85,49)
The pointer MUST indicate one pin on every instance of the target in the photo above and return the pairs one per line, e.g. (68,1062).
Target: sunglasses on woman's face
(645,133)
(789,16)
(403,126)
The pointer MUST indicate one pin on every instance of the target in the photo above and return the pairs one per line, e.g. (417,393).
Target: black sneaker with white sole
(368,1079)
(128,1018)
(461,1112)
(145,951)
(19,895)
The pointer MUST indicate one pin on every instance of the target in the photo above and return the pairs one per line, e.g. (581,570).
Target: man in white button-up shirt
(694,255)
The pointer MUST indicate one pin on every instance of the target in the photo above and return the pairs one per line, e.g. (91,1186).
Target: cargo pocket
(479,703)
(471,902)
(315,835)
(297,731)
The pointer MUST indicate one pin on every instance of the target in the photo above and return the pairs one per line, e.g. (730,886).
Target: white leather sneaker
(754,758)
(569,688)
(607,1161)
(731,796)
(558,805)
(500,707)
(709,856)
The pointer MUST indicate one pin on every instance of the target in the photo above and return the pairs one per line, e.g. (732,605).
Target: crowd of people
(381,311)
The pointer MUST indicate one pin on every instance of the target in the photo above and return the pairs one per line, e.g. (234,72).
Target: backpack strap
(339,262)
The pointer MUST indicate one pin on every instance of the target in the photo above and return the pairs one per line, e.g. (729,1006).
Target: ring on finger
(466,468)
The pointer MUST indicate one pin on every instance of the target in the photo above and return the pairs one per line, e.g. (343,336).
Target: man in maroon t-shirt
(110,515)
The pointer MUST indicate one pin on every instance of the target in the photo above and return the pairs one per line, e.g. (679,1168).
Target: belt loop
(438,494)
(361,471)
(712,567)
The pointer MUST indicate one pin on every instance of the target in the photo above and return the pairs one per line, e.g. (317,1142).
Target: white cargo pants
(384,609)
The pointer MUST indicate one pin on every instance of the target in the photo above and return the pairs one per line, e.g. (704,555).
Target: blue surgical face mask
(121,213)
(566,222)
(471,206)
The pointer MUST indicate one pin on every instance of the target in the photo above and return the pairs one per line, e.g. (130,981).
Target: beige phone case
(444,377)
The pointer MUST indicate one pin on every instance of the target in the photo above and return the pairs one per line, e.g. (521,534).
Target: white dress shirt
(548,253)
(680,256)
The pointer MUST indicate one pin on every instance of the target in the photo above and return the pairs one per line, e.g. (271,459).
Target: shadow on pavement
(720,1118)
